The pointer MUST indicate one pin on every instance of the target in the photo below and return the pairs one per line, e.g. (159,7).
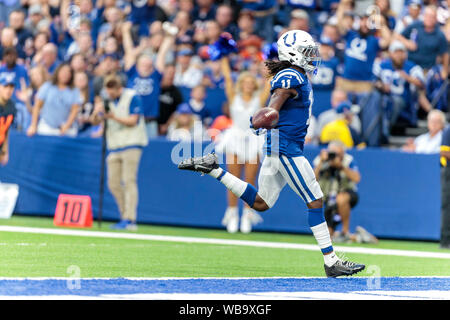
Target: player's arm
(280,96)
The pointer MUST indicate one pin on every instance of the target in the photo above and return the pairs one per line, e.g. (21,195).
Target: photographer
(337,173)
(125,138)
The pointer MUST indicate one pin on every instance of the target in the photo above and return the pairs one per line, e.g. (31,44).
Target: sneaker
(121,225)
(200,164)
(365,236)
(231,220)
(343,268)
(341,238)
(132,226)
(249,219)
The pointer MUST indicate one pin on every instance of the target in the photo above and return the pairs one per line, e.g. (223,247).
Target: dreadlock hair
(276,66)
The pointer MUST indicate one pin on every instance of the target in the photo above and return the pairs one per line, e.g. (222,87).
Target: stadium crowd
(382,67)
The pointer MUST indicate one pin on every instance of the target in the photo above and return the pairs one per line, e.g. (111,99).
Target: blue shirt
(136,106)
(57,103)
(389,75)
(148,88)
(18,73)
(323,83)
(429,45)
(360,53)
(289,134)
(203,113)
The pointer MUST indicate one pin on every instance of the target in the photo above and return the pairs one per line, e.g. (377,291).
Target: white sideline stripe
(262,244)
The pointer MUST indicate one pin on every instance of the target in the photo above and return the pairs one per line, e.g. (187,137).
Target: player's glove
(259,131)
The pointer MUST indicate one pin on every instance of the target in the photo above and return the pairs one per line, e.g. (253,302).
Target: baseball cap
(417,3)
(184,109)
(346,106)
(7,79)
(114,56)
(397,45)
(326,41)
(299,14)
(185,52)
(34,9)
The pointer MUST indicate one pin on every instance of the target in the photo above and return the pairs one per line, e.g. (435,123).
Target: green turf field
(42,255)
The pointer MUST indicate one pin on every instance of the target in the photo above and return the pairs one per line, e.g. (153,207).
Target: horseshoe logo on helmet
(293,42)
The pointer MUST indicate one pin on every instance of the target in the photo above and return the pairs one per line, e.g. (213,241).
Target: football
(266,118)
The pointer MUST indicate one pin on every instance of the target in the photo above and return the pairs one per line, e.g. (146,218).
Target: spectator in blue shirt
(47,57)
(24,36)
(11,68)
(264,14)
(144,76)
(224,17)
(57,105)
(205,10)
(426,43)
(18,73)
(324,80)
(361,50)
(401,79)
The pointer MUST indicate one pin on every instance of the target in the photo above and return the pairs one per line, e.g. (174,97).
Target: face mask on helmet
(310,58)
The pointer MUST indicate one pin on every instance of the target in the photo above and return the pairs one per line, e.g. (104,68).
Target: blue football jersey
(148,88)
(288,136)
(386,71)
(360,54)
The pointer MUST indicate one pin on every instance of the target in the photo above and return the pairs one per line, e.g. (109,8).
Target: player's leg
(209,164)
(231,217)
(249,216)
(300,177)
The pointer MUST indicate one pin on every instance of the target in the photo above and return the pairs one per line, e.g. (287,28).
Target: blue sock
(249,195)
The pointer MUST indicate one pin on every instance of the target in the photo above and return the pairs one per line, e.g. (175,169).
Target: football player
(292,97)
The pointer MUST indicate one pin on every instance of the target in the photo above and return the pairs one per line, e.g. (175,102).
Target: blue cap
(185,52)
(114,56)
(7,79)
(415,2)
(184,108)
(344,107)
(326,41)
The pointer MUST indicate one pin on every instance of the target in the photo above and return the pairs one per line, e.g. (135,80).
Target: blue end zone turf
(123,286)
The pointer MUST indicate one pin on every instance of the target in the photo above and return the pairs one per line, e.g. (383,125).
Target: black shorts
(331,217)
(354,198)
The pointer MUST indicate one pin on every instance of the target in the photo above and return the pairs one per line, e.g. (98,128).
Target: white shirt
(427,144)
(190,78)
